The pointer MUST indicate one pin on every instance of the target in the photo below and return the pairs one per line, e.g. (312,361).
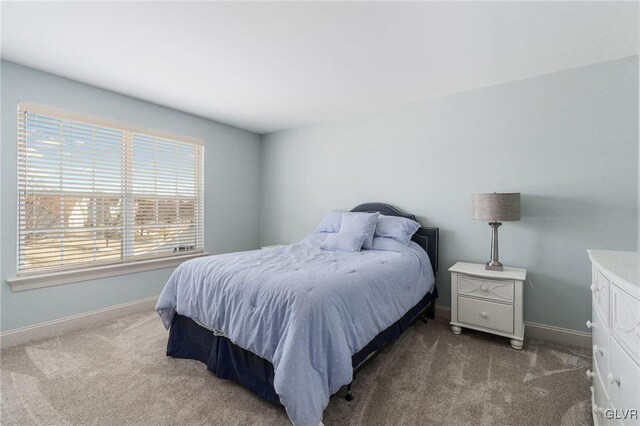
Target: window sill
(29,282)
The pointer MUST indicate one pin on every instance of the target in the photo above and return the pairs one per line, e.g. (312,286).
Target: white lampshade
(496,207)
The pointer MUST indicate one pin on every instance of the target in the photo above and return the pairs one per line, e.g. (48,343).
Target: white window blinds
(94,192)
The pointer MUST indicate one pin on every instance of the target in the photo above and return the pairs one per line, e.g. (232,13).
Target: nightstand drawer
(496,316)
(501,291)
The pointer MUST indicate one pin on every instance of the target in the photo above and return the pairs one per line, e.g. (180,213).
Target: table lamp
(496,208)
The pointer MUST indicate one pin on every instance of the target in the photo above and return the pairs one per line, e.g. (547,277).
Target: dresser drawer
(600,403)
(600,290)
(487,289)
(496,316)
(623,380)
(625,320)
(600,338)
(594,408)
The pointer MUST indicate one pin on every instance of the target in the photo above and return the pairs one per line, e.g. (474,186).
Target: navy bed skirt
(226,360)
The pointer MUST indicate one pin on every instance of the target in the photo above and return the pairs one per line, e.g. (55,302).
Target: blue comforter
(304,309)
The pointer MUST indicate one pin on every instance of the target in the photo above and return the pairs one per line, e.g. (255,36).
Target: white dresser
(615,326)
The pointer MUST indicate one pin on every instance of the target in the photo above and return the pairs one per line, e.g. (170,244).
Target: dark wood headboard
(425,237)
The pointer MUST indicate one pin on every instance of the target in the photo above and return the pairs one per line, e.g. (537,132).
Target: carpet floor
(117,373)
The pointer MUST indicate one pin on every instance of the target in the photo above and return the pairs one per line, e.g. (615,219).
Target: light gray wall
(567,141)
(232,163)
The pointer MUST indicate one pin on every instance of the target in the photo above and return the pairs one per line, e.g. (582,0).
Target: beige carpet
(116,374)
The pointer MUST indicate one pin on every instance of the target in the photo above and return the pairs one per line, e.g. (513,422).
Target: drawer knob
(483,314)
(484,287)
(590,324)
(590,374)
(613,379)
(593,287)
(598,350)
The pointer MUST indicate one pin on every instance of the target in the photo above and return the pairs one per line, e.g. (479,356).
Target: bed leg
(349,396)
(431,311)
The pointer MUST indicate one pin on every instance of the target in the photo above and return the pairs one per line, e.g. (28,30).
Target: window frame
(25,279)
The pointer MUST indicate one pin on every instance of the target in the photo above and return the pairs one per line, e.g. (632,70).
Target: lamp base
(494,265)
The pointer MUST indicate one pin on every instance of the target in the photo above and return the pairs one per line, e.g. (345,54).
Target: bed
(294,324)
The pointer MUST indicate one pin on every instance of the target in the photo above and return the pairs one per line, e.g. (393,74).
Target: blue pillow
(343,241)
(398,228)
(330,223)
(360,223)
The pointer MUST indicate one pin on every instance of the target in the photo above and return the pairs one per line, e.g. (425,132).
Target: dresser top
(478,270)
(622,264)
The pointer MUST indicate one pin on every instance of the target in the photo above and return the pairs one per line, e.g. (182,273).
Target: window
(93,192)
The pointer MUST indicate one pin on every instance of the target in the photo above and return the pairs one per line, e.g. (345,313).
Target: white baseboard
(538,331)
(558,334)
(443,313)
(55,327)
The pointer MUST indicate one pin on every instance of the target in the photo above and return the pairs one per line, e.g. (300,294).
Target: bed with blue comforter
(303,310)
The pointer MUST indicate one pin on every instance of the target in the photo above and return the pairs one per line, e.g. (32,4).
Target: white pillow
(343,241)
(360,223)
(398,228)
(330,223)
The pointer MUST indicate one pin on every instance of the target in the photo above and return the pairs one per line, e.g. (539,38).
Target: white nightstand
(489,301)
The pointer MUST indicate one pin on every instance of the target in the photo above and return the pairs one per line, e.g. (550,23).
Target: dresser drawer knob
(613,379)
(484,287)
(590,324)
(483,314)
(598,350)
(593,287)
(590,374)
(597,409)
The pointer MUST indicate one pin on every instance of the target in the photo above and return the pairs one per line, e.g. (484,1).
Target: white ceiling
(270,66)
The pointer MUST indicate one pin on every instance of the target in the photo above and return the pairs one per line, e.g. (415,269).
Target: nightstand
(489,301)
